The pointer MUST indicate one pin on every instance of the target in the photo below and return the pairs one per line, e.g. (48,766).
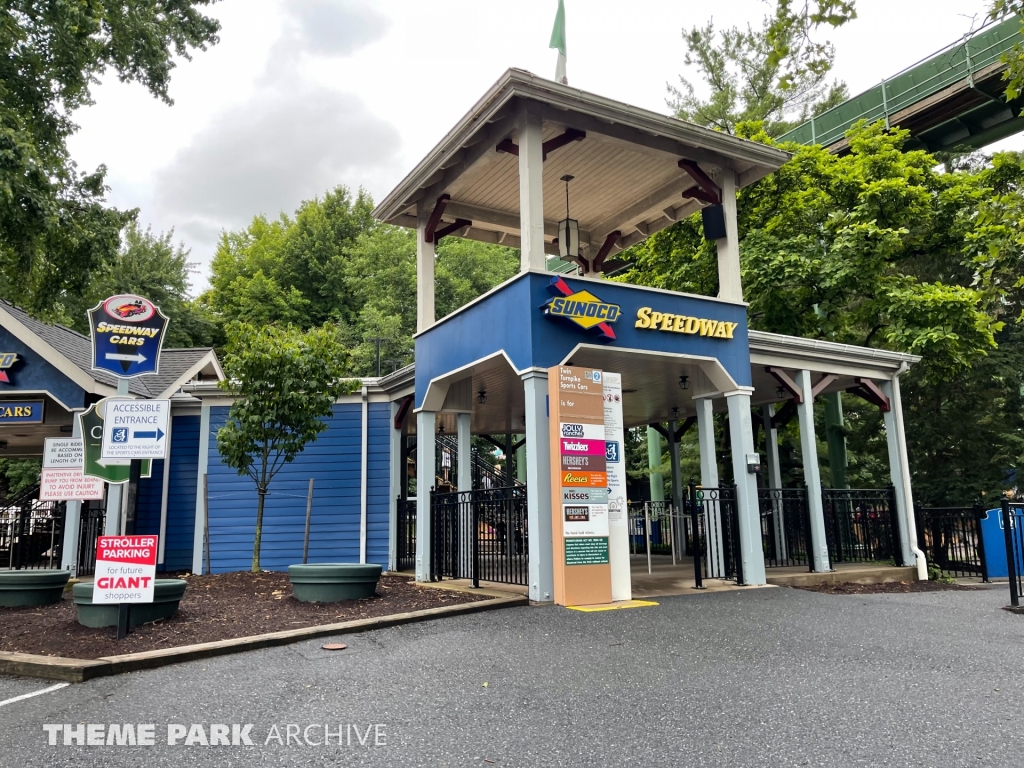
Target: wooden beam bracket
(823,382)
(606,248)
(784,415)
(707,191)
(555,142)
(453,227)
(435,218)
(786,382)
(403,409)
(868,390)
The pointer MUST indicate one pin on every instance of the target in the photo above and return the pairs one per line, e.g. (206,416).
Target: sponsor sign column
(580,487)
(618,514)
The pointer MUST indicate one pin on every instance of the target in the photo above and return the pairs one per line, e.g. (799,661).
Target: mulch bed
(893,587)
(217,607)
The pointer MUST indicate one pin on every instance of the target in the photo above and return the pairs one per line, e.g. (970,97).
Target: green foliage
(285,382)
(152,266)
(54,227)
(881,248)
(364,276)
(1015,57)
(18,474)
(776,74)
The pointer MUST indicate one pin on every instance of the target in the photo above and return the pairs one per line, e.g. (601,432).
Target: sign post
(125,574)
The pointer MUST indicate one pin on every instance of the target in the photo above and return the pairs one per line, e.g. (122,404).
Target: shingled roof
(175,364)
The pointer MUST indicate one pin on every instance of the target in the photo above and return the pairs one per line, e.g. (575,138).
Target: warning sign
(125,569)
(61,478)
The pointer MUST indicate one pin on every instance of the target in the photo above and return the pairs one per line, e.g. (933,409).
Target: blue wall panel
(33,374)
(334,462)
(147,507)
(181,493)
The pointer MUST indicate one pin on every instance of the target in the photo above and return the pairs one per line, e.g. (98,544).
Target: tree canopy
(55,228)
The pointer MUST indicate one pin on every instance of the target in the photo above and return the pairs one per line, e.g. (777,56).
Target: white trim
(682,356)
(396,475)
(363,479)
(201,469)
(205,360)
(456,374)
(164,493)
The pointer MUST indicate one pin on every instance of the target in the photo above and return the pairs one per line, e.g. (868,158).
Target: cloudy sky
(302,95)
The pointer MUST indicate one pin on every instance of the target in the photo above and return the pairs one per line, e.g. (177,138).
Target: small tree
(285,382)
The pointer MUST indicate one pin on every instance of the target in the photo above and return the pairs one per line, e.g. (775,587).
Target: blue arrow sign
(158,434)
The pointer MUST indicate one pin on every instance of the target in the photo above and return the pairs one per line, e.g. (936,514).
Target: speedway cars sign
(127,335)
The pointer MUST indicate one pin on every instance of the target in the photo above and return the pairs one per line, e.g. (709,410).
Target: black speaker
(713,218)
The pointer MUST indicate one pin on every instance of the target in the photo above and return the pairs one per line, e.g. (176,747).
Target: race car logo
(133,309)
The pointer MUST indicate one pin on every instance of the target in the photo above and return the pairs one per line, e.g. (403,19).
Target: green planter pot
(332,582)
(167,593)
(42,587)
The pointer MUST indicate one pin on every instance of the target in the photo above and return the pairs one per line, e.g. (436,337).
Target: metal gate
(405,557)
(1013,535)
(91,528)
(950,538)
(716,533)
(480,535)
(860,525)
(31,532)
(785,526)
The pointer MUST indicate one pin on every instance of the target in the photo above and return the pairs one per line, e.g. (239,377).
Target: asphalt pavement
(765,677)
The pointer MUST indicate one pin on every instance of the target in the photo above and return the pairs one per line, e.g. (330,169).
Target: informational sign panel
(618,522)
(61,478)
(135,429)
(125,569)
(127,336)
(579,467)
(114,471)
(21,411)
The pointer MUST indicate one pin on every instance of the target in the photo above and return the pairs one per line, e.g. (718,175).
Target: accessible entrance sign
(135,429)
(125,570)
(114,471)
(61,478)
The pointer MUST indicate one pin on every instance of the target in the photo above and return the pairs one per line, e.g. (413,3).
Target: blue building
(500,176)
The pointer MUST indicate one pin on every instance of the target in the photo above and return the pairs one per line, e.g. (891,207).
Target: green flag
(558,41)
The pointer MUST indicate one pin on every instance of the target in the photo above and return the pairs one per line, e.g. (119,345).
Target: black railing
(785,527)
(405,554)
(32,534)
(950,538)
(483,473)
(860,525)
(715,537)
(90,529)
(1012,514)
(480,535)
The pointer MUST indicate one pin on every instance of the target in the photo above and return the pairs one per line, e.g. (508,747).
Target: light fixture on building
(481,396)
(440,428)
(568,229)
(684,383)
(780,392)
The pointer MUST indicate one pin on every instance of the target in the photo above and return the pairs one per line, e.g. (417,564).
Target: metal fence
(480,535)
(90,529)
(405,555)
(1013,535)
(860,525)
(32,534)
(785,527)
(657,519)
(715,539)
(950,538)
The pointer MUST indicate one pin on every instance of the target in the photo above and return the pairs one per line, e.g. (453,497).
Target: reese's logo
(582,308)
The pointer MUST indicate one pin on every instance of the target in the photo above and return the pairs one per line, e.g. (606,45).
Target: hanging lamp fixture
(568,229)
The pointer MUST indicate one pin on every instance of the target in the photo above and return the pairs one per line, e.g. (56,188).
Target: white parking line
(56,687)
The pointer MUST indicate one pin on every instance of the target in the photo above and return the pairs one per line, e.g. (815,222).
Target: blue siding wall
(147,507)
(333,461)
(181,493)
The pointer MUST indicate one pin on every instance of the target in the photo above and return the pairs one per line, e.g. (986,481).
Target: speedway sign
(127,335)
(135,429)
(125,570)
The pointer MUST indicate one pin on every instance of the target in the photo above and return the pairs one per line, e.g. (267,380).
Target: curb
(79,670)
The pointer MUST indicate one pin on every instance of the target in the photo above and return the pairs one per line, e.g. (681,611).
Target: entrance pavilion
(498,177)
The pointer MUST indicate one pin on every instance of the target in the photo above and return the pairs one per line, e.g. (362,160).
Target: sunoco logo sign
(582,308)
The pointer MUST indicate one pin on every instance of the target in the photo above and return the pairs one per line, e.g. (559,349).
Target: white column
(771,441)
(709,479)
(741,438)
(112,513)
(677,484)
(395,487)
(363,462)
(899,468)
(425,316)
(531,194)
(200,516)
(426,424)
(812,475)
(72,519)
(729,284)
(465,442)
(165,491)
(538,487)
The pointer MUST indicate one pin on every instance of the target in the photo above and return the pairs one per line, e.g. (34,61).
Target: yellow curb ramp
(612,606)
(79,670)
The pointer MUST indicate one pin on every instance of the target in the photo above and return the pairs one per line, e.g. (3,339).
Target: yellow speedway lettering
(647,318)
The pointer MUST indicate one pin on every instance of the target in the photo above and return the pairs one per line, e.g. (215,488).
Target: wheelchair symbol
(119,435)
